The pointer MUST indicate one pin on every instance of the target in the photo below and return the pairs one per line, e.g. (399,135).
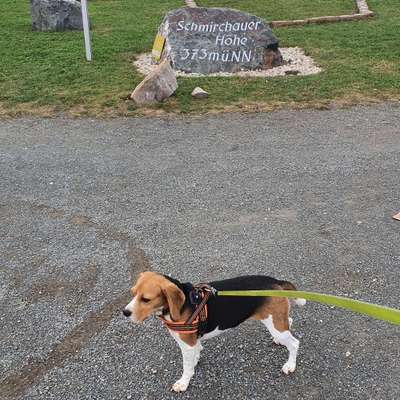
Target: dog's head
(153,293)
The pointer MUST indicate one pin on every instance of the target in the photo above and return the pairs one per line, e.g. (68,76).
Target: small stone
(292,72)
(348,354)
(157,86)
(199,93)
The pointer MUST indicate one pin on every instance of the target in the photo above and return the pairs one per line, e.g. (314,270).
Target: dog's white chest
(212,334)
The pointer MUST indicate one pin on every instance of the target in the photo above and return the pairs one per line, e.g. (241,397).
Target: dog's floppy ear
(175,299)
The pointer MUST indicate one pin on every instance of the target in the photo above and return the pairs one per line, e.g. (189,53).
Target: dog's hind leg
(278,326)
(274,314)
(190,357)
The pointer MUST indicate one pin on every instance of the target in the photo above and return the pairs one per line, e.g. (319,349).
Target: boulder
(56,15)
(211,40)
(157,86)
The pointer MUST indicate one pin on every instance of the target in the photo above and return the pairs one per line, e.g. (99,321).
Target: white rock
(199,93)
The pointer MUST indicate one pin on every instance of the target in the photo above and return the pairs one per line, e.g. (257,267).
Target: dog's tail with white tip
(299,302)
(289,286)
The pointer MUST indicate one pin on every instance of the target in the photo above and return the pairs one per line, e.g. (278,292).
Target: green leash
(387,314)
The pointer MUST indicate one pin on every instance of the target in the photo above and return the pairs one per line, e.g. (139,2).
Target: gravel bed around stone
(296,63)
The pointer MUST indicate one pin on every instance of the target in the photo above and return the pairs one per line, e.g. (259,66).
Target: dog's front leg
(190,357)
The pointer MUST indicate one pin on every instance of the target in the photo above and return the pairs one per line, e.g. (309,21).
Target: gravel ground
(301,195)
(296,62)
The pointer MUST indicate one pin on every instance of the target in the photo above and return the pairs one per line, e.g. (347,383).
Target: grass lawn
(42,73)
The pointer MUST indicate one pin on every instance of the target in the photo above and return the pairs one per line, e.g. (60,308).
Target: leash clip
(213,290)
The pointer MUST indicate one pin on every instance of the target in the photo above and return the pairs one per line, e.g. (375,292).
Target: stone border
(363,13)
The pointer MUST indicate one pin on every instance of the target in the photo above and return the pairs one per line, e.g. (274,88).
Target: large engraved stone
(209,40)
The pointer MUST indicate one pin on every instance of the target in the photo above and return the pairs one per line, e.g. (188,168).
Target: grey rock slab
(157,86)
(56,15)
(209,40)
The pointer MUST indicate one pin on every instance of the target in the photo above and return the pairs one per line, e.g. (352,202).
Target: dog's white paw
(288,368)
(180,386)
(276,341)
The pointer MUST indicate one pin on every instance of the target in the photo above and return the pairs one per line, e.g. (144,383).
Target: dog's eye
(145,300)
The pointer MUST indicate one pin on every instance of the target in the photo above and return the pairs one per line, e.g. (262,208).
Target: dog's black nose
(126,312)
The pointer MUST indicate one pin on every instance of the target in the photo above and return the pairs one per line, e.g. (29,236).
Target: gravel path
(85,204)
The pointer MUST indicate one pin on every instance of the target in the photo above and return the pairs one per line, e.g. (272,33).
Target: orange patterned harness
(197,322)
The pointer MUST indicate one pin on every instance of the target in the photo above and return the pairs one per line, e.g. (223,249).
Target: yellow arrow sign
(158,47)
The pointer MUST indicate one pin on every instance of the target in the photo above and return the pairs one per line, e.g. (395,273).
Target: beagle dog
(170,299)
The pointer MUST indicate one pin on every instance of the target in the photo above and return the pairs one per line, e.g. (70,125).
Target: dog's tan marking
(162,293)
(278,308)
(153,291)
